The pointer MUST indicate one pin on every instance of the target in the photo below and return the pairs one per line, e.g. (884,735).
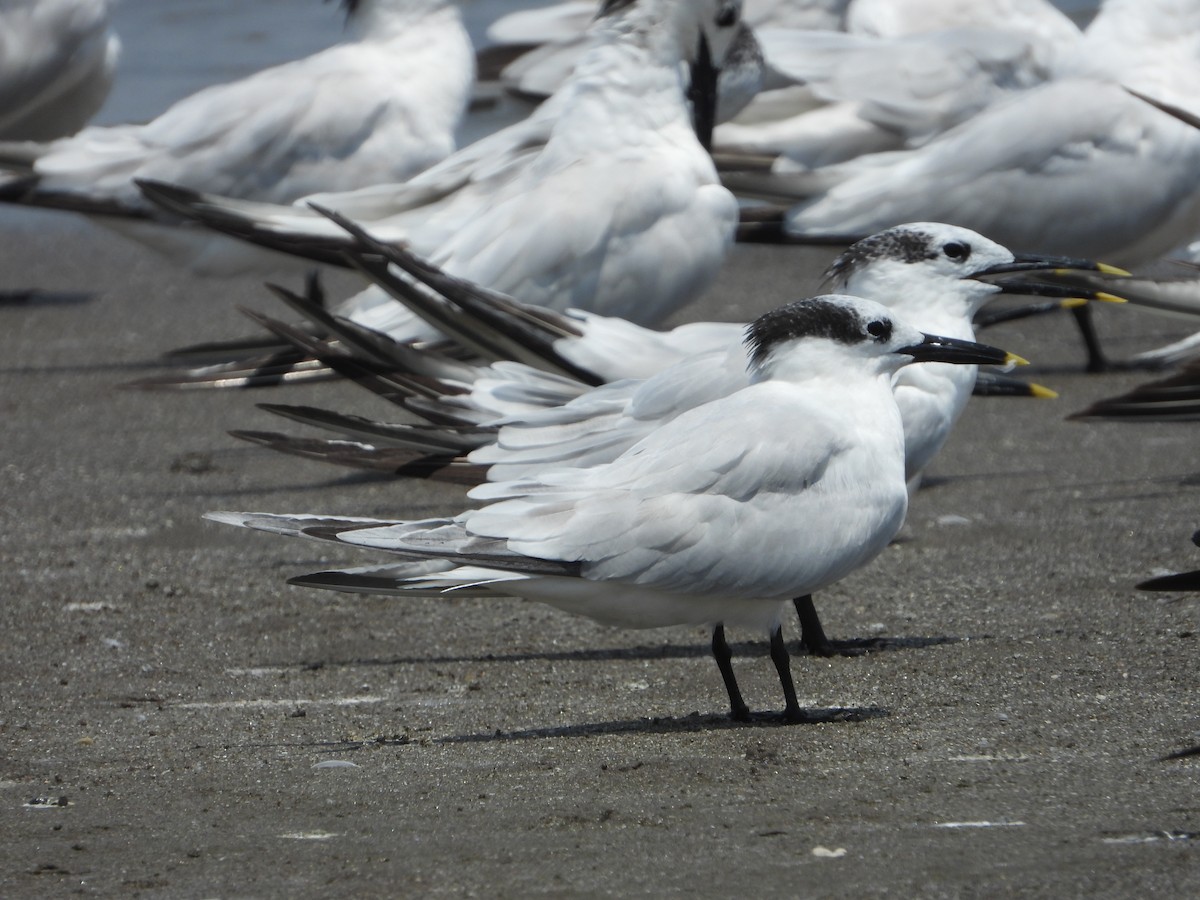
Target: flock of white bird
(706,474)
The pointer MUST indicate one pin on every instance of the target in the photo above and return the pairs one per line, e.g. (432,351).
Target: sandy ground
(176,722)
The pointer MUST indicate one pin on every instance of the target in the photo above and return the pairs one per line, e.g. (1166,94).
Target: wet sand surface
(175,721)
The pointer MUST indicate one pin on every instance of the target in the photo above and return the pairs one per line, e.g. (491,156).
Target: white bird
(57,63)
(883,81)
(566,21)
(603,199)
(1104,174)
(1077,166)
(864,94)
(559,38)
(898,74)
(894,18)
(932,275)
(536,75)
(518,420)
(515,422)
(557,35)
(379,107)
(718,517)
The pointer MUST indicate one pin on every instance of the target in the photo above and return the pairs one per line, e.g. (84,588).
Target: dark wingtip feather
(1175,399)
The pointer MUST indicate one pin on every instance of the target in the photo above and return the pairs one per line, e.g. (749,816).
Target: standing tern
(381,106)
(603,199)
(933,275)
(720,516)
(57,63)
(511,424)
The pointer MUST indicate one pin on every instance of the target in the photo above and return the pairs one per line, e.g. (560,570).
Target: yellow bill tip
(1073,302)
(1105,297)
(1042,392)
(1012,359)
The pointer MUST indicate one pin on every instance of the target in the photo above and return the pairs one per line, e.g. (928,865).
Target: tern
(604,199)
(517,420)
(379,107)
(718,517)
(1079,165)
(511,422)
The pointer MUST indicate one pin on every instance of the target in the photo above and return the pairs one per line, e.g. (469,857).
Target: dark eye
(956,251)
(727,15)
(880,329)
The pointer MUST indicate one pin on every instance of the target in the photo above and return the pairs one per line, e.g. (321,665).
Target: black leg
(812,634)
(1097,362)
(783,665)
(737,706)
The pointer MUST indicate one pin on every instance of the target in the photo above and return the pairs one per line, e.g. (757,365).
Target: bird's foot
(851,647)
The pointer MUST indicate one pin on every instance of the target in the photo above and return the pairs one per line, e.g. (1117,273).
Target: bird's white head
(920,269)
(940,275)
(847,337)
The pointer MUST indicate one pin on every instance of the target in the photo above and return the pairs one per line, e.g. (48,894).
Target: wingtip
(329,581)
(166,194)
(228,517)
(14,186)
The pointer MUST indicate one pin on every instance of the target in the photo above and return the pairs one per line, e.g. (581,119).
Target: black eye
(880,329)
(727,15)
(956,251)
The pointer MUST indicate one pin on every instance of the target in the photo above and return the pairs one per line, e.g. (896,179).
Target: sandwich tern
(718,517)
(603,199)
(506,422)
(380,106)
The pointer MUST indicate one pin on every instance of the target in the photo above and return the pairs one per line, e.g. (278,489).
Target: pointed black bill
(1028,262)
(954,350)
